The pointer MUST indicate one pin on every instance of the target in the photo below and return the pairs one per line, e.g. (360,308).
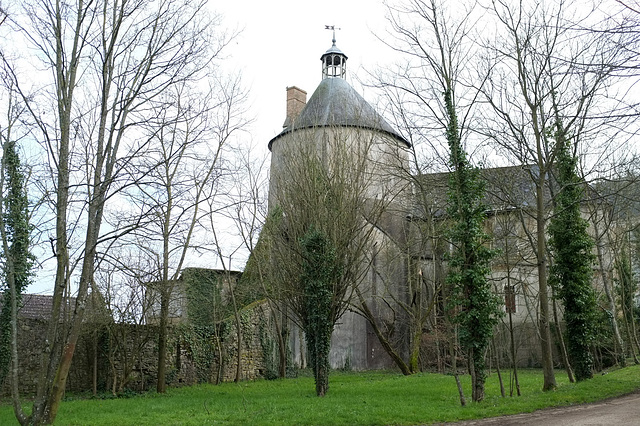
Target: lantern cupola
(334,62)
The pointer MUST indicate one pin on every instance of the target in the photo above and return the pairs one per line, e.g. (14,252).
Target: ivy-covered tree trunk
(18,260)
(17,234)
(571,272)
(469,263)
(319,272)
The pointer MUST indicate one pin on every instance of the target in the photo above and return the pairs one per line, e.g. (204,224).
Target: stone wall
(256,349)
(32,333)
(124,357)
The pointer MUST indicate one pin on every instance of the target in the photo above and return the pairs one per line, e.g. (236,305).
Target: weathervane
(332,28)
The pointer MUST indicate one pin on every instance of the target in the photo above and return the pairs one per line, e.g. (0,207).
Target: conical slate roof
(336,103)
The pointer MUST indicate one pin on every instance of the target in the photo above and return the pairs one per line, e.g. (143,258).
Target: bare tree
(119,279)
(614,219)
(438,48)
(192,133)
(107,62)
(542,66)
(601,216)
(249,217)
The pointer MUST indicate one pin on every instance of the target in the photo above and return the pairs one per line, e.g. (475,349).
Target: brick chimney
(296,100)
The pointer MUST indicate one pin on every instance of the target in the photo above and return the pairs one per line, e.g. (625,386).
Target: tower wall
(375,162)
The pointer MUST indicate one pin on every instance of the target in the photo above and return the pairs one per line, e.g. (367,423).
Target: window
(509,299)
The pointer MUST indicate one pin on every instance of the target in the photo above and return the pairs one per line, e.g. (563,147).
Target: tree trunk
(414,353)
(631,346)
(15,390)
(474,376)
(282,348)
(56,393)
(513,355)
(512,339)
(563,347)
(497,355)
(612,310)
(454,367)
(634,337)
(220,361)
(302,349)
(549,381)
(10,277)
(319,345)
(238,335)
(94,370)
(322,380)
(161,385)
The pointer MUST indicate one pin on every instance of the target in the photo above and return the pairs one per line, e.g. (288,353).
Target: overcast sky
(281,44)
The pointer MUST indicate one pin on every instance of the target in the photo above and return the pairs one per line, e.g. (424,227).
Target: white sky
(281,44)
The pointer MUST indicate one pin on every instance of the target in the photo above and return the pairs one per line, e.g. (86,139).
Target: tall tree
(572,270)
(319,271)
(438,48)
(249,218)
(127,54)
(541,64)
(473,299)
(18,261)
(326,209)
(191,134)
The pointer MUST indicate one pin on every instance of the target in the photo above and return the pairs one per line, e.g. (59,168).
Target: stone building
(510,199)
(406,268)
(337,124)
(200,288)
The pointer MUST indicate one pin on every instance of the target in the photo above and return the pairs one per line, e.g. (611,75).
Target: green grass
(354,398)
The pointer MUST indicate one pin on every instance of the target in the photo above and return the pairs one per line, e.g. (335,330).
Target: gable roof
(506,188)
(38,307)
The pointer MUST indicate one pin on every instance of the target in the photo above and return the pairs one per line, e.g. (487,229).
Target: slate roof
(506,188)
(336,103)
(38,306)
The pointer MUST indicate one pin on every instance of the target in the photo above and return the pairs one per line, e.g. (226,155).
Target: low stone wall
(124,357)
(31,339)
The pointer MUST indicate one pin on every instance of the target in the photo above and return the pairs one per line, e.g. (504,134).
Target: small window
(509,299)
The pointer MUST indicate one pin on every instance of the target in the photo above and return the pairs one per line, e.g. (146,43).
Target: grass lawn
(354,398)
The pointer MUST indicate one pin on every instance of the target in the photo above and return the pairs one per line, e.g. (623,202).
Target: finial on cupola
(334,62)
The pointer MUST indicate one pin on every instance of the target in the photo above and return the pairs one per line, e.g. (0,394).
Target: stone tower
(336,118)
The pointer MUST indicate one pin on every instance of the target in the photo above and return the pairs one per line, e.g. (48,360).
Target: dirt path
(624,410)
